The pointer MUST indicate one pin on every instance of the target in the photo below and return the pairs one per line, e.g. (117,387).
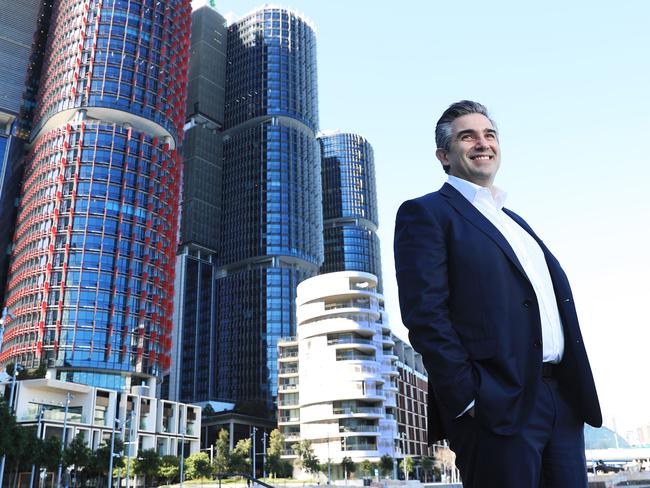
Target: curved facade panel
(271,224)
(349,204)
(273,70)
(90,290)
(120,55)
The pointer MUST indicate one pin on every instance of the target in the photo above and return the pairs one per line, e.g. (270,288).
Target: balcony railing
(350,340)
(359,446)
(288,370)
(358,428)
(292,386)
(349,304)
(289,418)
(288,354)
(350,356)
(288,403)
(355,410)
(53,415)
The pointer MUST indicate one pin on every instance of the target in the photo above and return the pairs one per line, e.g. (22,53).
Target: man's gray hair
(458,109)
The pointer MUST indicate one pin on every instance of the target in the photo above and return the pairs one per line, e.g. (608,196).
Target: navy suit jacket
(473,315)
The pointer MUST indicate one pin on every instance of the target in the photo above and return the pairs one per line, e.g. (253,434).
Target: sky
(568,84)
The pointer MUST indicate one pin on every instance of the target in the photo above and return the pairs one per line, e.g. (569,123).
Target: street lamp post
(17,368)
(128,448)
(123,436)
(68,397)
(264,437)
(41,410)
(403,437)
(112,454)
(182,456)
(253,448)
(329,462)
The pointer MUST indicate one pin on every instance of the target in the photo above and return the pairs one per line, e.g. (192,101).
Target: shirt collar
(473,192)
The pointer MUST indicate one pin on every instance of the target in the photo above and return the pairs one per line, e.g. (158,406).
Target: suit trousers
(548,452)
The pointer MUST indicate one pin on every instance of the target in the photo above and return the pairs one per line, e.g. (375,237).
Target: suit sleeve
(421,264)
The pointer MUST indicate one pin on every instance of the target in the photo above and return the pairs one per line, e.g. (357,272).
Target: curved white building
(337,383)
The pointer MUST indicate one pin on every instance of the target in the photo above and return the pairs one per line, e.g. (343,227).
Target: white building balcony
(287,387)
(362,412)
(287,356)
(286,371)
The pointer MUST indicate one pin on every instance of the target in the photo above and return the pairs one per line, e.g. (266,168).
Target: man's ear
(441,154)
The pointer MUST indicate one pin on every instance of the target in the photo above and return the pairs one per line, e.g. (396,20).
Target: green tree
(366,468)
(240,456)
(198,466)
(77,454)
(348,466)
(25,449)
(306,457)
(100,459)
(407,466)
(274,463)
(385,465)
(49,453)
(221,460)
(7,428)
(146,465)
(169,468)
(426,463)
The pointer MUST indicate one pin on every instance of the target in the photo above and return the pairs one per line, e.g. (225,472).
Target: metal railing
(350,340)
(355,410)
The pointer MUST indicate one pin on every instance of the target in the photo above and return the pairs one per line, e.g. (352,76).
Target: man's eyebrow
(466,131)
(472,131)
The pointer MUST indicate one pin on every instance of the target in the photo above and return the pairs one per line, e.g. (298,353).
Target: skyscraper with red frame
(91,278)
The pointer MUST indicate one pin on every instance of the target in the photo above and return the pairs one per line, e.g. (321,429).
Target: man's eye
(467,137)
(490,136)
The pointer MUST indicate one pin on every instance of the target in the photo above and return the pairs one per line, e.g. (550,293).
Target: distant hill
(602,438)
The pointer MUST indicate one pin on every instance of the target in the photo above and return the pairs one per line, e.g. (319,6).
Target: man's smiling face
(474,153)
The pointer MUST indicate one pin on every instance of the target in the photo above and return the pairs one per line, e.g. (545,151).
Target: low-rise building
(136,416)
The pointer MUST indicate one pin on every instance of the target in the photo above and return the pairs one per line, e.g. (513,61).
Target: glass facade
(92,267)
(198,338)
(271,226)
(11,172)
(349,204)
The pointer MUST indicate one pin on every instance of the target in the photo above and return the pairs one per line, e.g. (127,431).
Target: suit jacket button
(527,303)
(537,344)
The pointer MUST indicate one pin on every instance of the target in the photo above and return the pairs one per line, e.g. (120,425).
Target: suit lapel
(551,262)
(472,214)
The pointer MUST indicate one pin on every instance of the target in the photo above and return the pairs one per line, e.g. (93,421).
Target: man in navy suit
(491,311)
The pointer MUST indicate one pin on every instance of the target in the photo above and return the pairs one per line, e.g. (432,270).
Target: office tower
(91,279)
(337,378)
(193,375)
(271,224)
(20,25)
(349,204)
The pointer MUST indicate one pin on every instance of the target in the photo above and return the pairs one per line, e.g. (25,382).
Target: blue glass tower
(271,226)
(349,204)
(90,285)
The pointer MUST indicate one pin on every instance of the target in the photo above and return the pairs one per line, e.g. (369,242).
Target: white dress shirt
(531,257)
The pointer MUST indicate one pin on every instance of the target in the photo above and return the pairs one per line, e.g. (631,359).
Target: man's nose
(482,142)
